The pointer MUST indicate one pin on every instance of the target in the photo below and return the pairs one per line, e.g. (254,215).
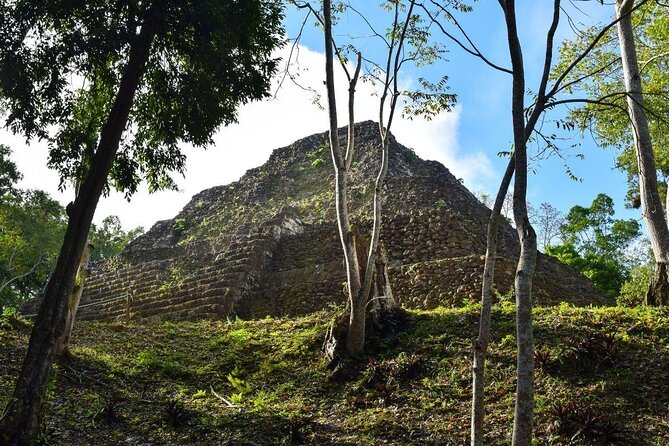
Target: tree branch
(21,276)
(590,47)
(474,50)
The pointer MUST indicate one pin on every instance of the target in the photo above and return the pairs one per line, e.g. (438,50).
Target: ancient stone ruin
(268,245)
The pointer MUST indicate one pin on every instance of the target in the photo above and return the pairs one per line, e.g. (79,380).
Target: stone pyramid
(268,245)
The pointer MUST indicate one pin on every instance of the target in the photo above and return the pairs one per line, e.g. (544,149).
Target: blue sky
(466,141)
(484,121)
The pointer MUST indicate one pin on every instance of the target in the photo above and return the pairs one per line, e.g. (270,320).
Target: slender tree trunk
(356,331)
(357,338)
(481,345)
(666,204)
(527,258)
(360,290)
(653,213)
(524,410)
(82,273)
(390,87)
(21,416)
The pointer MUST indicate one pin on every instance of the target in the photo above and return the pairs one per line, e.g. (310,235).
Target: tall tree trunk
(357,338)
(390,87)
(524,410)
(360,290)
(20,419)
(481,345)
(653,213)
(356,331)
(82,273)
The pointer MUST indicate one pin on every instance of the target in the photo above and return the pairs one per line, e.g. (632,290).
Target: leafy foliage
(32,225)
(595,243)
(31,229)
(109,238)
(633,291)
(601,80)
(9,173)
(207,58)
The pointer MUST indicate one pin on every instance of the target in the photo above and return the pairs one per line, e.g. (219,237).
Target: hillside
(602,378)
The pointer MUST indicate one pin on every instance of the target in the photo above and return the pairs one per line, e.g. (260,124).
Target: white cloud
(262,127)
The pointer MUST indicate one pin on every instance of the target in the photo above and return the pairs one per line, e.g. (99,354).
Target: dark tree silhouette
(165,71)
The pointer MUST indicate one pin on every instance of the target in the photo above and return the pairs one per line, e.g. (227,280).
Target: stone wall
(188,284)
(268,245)
(438,264)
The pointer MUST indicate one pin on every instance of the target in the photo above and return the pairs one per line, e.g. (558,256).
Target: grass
(602,378)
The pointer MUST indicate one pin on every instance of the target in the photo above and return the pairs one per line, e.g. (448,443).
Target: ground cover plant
(602,378)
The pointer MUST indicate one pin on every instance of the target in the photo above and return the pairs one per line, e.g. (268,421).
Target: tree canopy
(145,77)
(109,238)
(600,79)
(31,230)
(62,63)
(595,243)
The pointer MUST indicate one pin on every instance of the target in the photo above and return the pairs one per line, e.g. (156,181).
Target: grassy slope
(150,384)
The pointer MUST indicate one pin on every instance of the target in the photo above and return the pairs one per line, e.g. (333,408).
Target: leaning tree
(169,72)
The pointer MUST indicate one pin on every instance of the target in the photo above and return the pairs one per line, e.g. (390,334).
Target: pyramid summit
(268,244)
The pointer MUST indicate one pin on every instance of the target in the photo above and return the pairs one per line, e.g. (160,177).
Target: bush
(634,289)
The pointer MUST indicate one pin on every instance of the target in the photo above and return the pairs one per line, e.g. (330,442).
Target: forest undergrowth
(602,378)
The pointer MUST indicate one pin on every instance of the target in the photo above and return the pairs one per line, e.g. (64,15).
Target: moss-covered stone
(268,245)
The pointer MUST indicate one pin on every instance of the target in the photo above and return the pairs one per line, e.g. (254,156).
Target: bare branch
(541,95)
(364,18)
(396,69)
(293,48)
(474,50)
(590,47)
(351,115)
(227,403)
(549,50)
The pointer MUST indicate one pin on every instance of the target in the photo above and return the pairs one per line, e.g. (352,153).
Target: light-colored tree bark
(527,261)
(83,272)
(653,213)
(356,332)
(361,281)
(390,89)
(481,344)
(546,99)
(524,409)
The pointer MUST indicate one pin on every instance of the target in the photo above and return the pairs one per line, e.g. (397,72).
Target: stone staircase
(176,288)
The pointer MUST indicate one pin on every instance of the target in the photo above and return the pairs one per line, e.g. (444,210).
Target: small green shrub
(8,312)
(634,289)
(179,225)
(439,204)
(317,156)
(165,364)
(239,385)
